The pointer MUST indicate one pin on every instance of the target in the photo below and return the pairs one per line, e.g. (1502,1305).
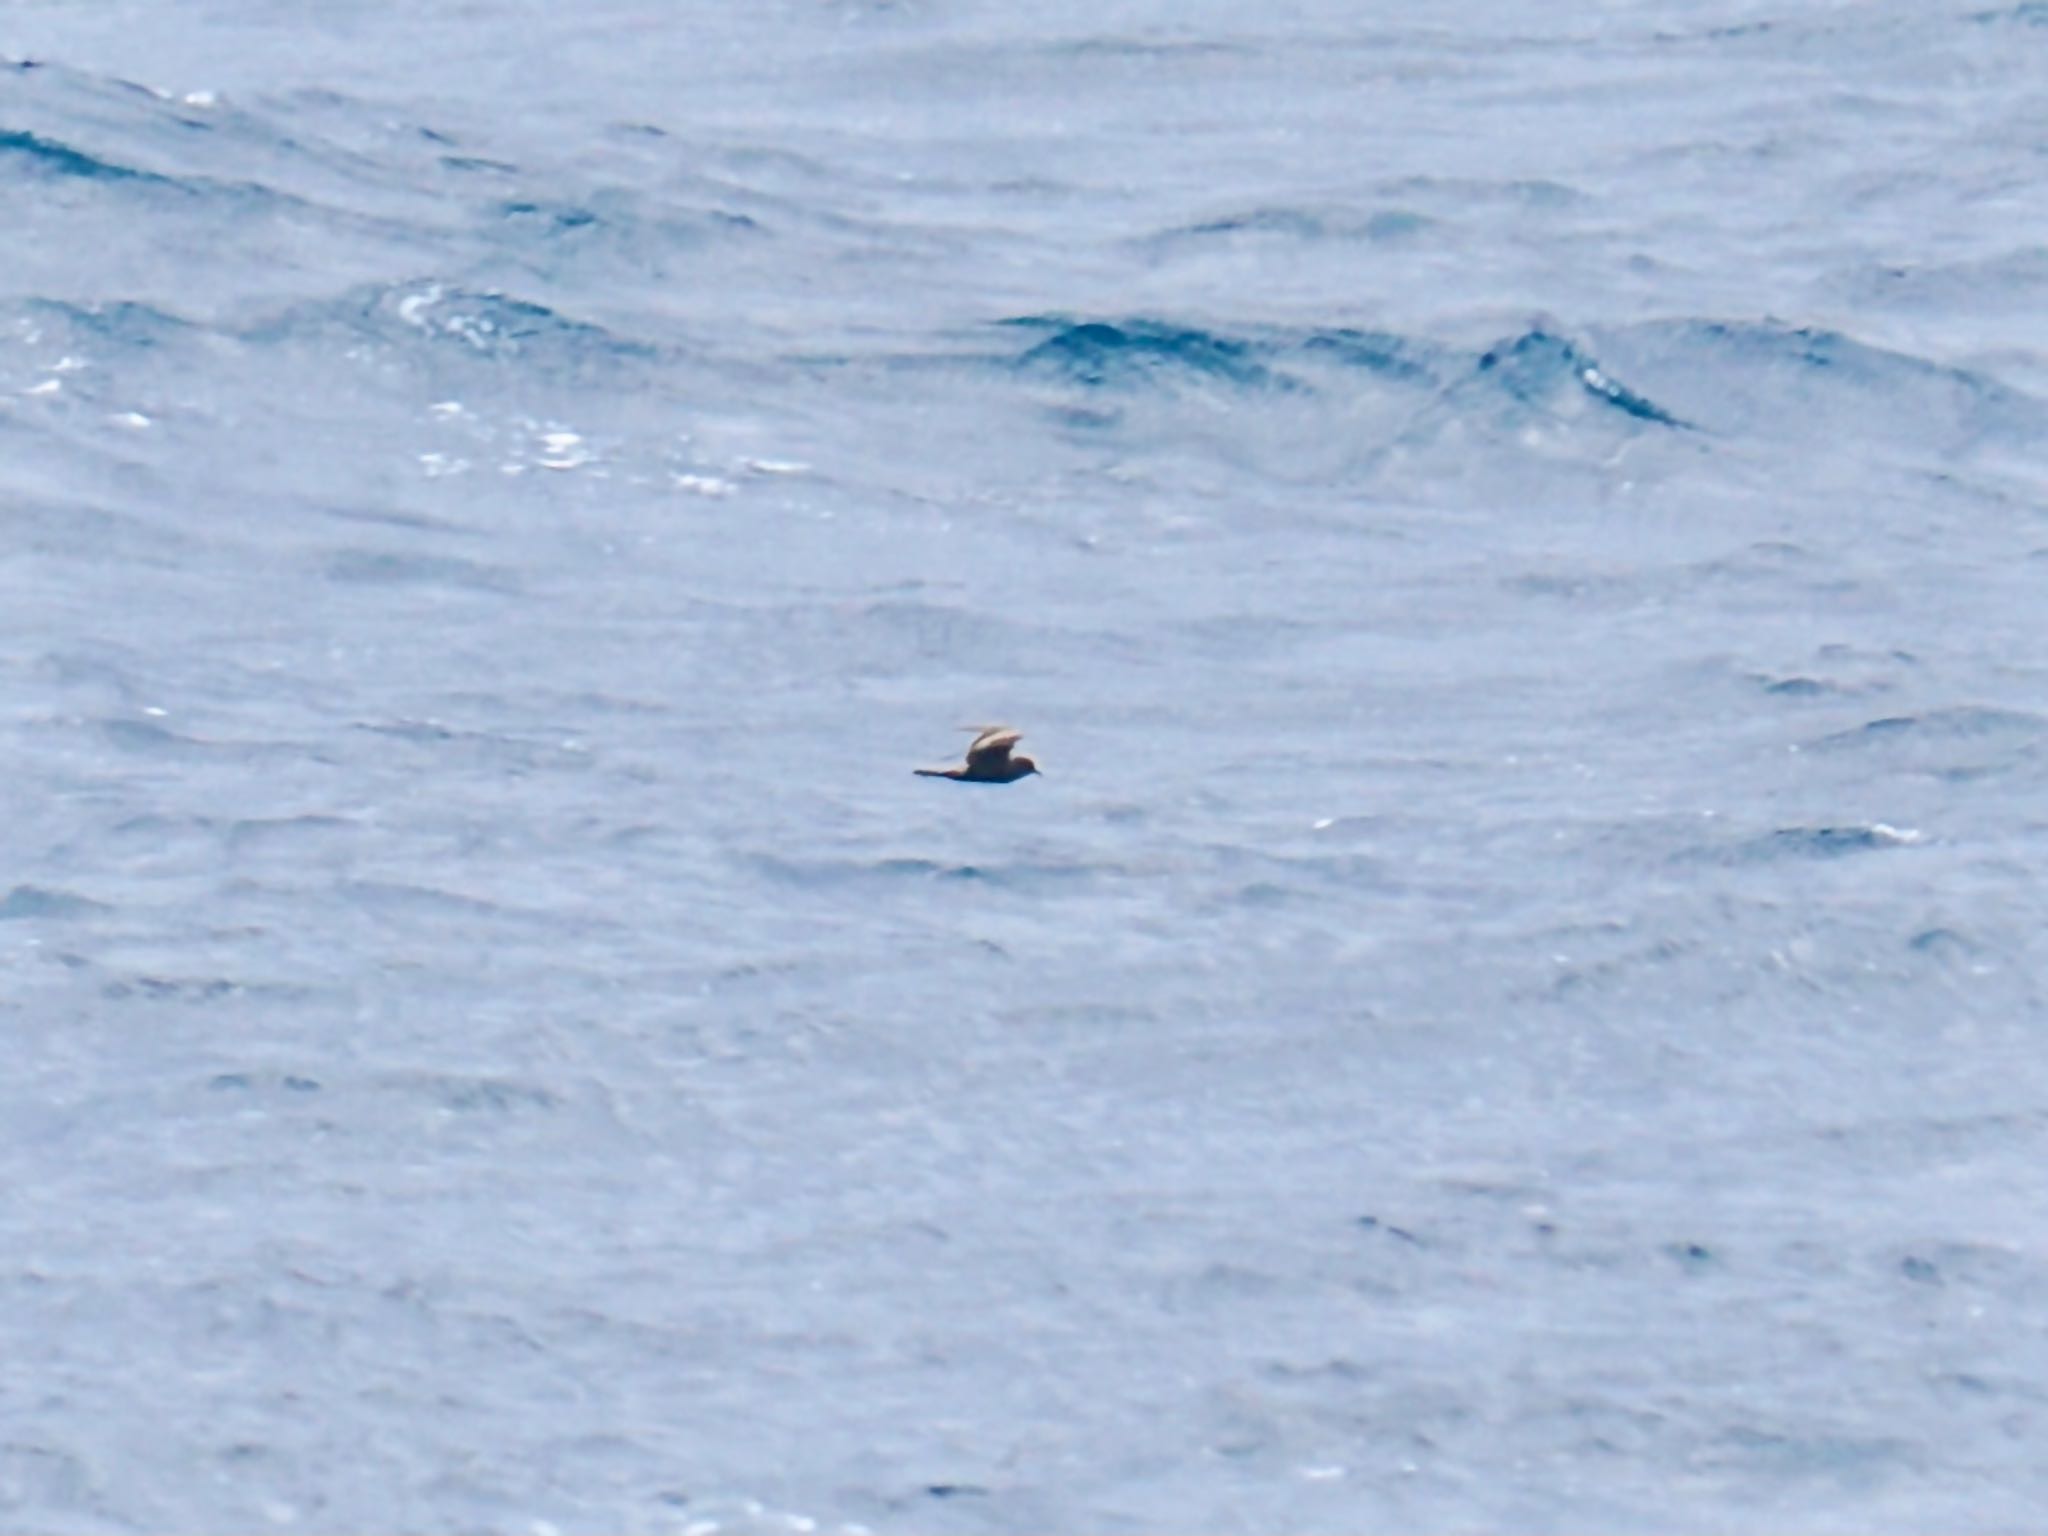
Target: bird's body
(988,759)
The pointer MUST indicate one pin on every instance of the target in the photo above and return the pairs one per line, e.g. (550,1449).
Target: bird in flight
(988,759)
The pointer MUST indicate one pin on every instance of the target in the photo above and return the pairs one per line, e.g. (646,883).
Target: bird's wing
(992,747)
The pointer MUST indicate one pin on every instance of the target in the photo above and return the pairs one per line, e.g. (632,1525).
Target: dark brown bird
(988,759)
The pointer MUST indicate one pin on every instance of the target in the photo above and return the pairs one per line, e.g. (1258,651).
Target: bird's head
(1025,767)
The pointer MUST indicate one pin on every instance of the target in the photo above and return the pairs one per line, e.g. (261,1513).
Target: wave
(1538,363)
(2028,13)
(53,158)
(31,901)
(1118,354)
(488,323)
(1811,842)
(118,325)
(1012,874)
(1368,393)
(443,319)
(1968,722)
(1767,378)
(1535,368)
(381,568)
(1960,744)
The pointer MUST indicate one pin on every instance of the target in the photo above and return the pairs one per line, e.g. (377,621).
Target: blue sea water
(1516,534)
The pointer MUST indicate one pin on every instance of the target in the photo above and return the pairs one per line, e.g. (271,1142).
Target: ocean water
(1516,533)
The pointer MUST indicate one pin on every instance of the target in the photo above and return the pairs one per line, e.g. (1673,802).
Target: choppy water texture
(1516,534)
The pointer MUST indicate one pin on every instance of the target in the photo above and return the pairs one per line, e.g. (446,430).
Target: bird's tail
(929,773)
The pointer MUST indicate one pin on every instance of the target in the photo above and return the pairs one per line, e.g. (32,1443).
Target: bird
(988,759)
